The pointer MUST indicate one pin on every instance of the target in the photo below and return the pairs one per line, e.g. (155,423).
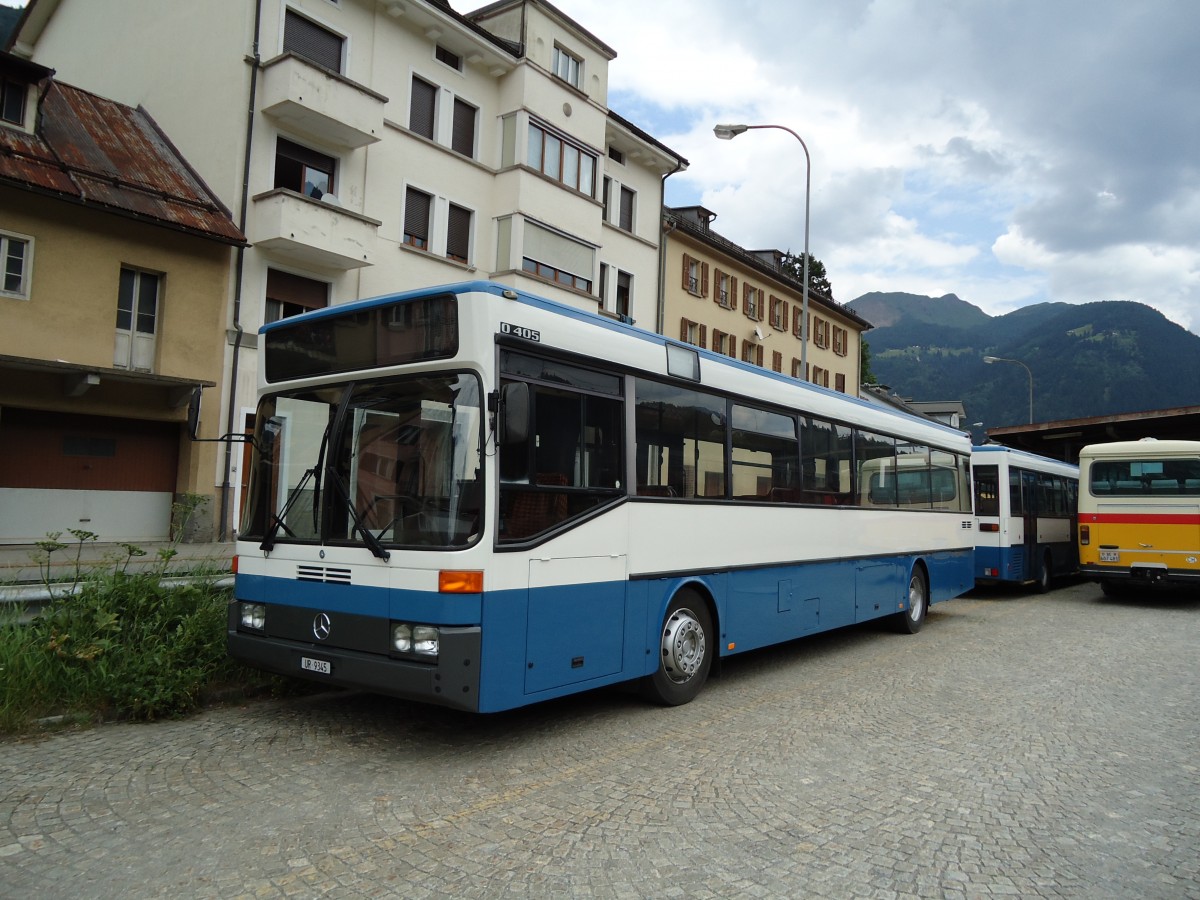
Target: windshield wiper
(369,539)
(268,541)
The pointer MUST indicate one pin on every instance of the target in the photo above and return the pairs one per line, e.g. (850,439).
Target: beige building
(741,303)
(115,263)
(374,146)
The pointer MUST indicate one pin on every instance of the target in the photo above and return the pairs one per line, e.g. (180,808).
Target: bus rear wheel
(1045,577)
(911,620)
(685,652)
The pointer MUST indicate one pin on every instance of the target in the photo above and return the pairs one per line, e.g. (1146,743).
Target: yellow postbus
(1139,514)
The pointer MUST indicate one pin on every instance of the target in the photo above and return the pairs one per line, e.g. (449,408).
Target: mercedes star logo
(321,626)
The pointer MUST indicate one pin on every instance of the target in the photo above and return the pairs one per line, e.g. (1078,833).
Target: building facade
(741,303)
(115,263)
(372,146)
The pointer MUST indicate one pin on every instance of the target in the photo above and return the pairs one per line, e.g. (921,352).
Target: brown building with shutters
(115,261)
(740,303)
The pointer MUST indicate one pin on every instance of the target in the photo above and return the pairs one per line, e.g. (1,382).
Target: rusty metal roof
(94,151)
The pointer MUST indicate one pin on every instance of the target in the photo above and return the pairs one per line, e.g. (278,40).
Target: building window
(820,376)
(137,317)
(726,293)
(616,156)
(841,340)
(624,293)
(752,302)
(302,170)
(12,101)
(839,382)
(290,295)
(16,264)
(561,160)
(752,352)
(418,207)
(462,140)
(458,233)
(625,223)
(820,334)
(695,276)
(798,322)
(779,313)
(308,39)
(448,57)
(776,361)
(724,343)
(568,67)
(558,258)
(692,332)
(422,108)
(799,370)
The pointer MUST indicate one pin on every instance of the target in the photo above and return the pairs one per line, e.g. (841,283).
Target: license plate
(1110,556)
(320,666)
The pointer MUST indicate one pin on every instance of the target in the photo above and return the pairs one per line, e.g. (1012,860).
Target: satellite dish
(758,334)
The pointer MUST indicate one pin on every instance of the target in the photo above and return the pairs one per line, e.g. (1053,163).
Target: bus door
(1031,504)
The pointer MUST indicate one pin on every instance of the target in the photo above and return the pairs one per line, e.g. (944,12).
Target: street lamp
(728,133)
(996,359)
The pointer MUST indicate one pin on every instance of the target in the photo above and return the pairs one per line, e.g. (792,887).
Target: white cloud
(1010,153)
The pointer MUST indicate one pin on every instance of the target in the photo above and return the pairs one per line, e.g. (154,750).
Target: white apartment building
(372,146)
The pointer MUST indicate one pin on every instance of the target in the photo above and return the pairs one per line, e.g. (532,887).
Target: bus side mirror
(514,413)
(193,415)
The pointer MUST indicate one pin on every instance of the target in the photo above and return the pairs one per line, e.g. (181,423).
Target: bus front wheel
(911,620)
(685,652)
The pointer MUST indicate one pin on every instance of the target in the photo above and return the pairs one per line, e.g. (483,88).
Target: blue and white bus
(474,497)
(1026,509)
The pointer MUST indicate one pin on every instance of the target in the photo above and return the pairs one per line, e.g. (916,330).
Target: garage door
(114,477)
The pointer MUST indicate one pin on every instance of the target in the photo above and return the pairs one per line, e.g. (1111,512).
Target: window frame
(25,278)
(293,15)
(551,139)
(563,59)
(410,237)
(13,91)
(455,241)
(136,316)
(307,159)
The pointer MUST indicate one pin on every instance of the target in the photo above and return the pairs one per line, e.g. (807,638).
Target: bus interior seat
(535,511)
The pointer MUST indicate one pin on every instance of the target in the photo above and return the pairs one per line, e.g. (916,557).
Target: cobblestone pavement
(1019,746)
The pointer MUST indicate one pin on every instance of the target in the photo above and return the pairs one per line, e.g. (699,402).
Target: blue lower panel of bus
(505,649)
(1000,564)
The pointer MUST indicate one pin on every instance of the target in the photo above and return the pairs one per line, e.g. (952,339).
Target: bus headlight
(254,616)
(422,641)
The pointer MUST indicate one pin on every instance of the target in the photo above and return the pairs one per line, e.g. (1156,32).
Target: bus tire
(1045,576)
(911,620)
(685,648)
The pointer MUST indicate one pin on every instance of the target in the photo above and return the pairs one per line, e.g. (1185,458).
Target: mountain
(8,21)
(1092,359)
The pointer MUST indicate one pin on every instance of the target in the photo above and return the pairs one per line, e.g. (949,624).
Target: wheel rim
(683,646)
(916,599)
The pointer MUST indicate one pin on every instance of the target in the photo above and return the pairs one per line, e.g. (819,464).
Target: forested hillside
(1087,360)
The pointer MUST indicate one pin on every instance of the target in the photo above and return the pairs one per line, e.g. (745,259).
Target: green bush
(123,646)
(114,644)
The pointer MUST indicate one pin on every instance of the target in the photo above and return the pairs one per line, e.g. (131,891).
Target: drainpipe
(661,312)
(231,418)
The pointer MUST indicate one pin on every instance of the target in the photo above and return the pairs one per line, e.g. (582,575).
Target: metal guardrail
(32,598)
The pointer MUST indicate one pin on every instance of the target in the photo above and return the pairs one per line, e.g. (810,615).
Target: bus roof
(1144,447)
(1028,460)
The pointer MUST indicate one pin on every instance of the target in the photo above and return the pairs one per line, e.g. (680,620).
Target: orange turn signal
(455,582)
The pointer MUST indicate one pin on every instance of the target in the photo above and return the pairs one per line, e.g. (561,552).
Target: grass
(114,644)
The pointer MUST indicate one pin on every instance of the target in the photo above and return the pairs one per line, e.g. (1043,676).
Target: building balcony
(307,99)
(311,233)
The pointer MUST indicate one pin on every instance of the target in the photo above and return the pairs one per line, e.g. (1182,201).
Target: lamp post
(995,359)
(728,133)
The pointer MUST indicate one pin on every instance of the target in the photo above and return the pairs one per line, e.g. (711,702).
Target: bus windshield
(388,463)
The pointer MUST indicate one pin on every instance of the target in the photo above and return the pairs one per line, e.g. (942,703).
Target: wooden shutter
(704,279)
(683,330)
(733,297)
(687,273)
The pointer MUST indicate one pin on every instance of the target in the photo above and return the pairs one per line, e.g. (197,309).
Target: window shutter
(717,293)
(733,298)
(458,233)
(704,279)
(309,40)
(284,287)
(702,336)
(683,325)
(463,139)
(777,361)
(758,356)
(687,272)
(421,111)
(416,216)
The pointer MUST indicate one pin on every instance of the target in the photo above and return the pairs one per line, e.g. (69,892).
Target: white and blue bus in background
(1026,509)
(474,497)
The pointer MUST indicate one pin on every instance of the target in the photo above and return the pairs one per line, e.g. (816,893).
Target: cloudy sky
(1007,151)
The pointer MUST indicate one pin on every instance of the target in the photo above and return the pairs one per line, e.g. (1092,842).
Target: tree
(818,281)
(864,355)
